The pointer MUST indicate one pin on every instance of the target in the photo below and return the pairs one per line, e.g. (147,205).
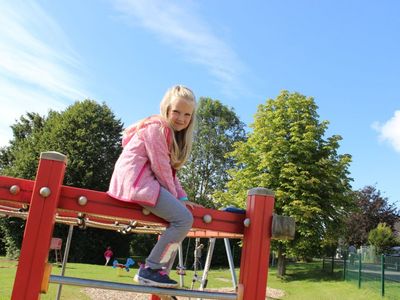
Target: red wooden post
(256,242)
(39,226)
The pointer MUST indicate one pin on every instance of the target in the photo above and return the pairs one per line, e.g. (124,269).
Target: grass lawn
(308,282)
(303,281)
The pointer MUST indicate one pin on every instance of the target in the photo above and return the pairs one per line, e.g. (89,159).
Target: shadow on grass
(309,272)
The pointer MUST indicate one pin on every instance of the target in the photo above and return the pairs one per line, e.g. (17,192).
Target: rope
(187,253)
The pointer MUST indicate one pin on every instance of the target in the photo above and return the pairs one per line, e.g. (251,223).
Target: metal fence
(381,274)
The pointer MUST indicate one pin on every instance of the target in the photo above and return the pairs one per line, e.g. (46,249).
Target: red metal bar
(39,227)
(256,243)
(25,189)
(99,203)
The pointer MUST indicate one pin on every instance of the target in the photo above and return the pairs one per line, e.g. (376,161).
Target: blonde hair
(182,140)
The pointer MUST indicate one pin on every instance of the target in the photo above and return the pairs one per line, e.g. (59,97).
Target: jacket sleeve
(181,192)
(159,156)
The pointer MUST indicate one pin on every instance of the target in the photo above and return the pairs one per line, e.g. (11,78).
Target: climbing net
(122,225)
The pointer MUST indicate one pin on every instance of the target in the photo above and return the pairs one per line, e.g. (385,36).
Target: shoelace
(161,272)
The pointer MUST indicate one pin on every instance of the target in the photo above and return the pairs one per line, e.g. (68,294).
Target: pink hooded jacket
(144,164)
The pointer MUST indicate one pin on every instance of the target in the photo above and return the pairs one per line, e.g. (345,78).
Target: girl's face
(180,113)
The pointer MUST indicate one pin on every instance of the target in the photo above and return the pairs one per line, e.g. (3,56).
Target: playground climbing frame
(49,202)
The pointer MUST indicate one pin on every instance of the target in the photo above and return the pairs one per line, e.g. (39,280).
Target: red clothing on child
(108,253)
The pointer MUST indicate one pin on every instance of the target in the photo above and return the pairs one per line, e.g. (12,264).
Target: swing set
(44,201)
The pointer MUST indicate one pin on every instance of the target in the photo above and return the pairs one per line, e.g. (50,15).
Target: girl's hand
(191,204)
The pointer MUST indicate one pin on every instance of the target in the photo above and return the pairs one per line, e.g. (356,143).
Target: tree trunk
(281,261)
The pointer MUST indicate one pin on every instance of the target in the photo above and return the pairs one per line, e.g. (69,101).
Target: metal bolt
(45,192)
(82,200)
(207,219)
(14,189)
(246,222)
(145,212)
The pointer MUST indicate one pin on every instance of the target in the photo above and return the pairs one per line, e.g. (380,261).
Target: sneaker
(147,276)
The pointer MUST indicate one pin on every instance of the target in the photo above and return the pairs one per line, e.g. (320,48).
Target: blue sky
(126,53)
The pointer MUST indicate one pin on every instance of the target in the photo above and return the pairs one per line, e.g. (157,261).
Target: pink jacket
(144,164)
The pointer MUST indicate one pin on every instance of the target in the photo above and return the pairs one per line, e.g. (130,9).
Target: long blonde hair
(182,140)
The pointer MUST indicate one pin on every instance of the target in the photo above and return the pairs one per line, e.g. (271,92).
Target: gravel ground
(100,294)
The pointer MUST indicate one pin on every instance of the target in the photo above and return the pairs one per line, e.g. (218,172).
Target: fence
(381,274)
(332,265)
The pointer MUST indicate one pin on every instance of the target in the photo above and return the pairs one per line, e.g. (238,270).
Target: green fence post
(344,267)
(383,275)
(359,271)
(332,264)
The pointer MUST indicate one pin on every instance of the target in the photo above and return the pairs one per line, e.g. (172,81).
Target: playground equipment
(129,262)
(55,245)
(49,202)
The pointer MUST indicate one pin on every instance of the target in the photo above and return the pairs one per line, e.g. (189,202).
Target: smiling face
(180,113)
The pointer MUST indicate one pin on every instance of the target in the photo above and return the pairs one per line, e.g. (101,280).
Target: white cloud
(390,131)
(179,26)
(38,68)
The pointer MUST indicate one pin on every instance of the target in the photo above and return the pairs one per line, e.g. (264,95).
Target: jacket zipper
(140,175)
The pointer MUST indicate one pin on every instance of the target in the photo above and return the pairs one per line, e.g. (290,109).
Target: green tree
(89,134)
(371,209)
(288,153)
(22,147)
(381,238)
(217,129)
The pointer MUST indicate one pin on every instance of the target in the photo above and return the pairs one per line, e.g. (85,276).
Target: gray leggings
(180,222)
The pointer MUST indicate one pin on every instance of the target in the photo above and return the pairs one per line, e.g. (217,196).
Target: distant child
(107,255)
(197,255)
(145,173)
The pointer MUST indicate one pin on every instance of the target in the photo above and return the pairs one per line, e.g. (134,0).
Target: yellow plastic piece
(44,287)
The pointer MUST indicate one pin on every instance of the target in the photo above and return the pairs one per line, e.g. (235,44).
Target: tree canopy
(287,151)
(381,238)
(372,209)
(217,129)
(90,135)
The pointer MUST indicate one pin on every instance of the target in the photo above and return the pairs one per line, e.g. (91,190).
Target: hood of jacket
(130,131)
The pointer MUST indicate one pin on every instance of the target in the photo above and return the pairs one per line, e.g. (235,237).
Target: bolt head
(145,212)
(14,189)
(45,192)
(82,200)
(207,219)
(246,222)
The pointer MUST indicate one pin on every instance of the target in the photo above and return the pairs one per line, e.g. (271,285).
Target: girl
(145,173)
